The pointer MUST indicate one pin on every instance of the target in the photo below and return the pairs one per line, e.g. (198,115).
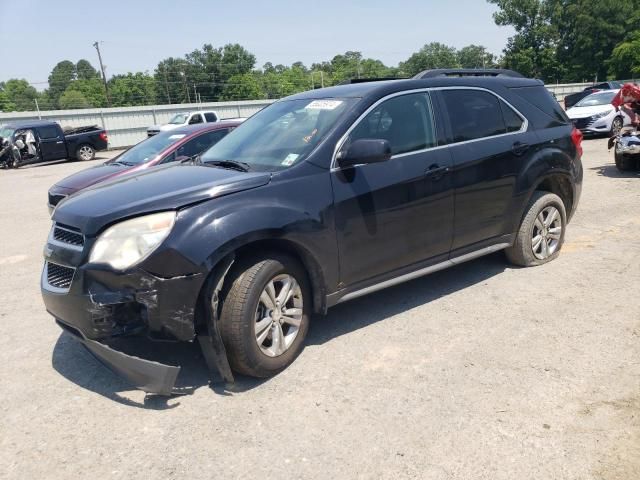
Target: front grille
(59,276)
(582,123)
(68,236)
(55,199)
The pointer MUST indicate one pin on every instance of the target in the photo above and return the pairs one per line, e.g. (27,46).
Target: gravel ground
(482,371)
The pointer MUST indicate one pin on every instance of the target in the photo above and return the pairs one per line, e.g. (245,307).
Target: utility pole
(38,108)
(104,77)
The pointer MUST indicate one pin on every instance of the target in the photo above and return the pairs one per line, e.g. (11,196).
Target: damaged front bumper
(96,306)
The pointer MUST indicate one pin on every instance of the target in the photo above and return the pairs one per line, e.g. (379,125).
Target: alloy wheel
(278,315)
(547,231)
(85,153)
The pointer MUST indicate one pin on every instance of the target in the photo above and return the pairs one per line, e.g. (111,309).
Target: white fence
(127,125)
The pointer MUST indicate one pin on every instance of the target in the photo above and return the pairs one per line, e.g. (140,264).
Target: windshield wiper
(230,164)
(126,164)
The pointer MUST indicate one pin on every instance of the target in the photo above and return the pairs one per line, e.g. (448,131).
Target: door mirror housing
(365,151)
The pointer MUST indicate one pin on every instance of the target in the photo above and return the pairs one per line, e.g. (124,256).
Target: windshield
(6,132)
(178,119)
(597,99)
(281,135)
(148,149)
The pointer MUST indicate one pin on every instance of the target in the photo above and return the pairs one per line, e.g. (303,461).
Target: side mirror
(365,150)
(183,159)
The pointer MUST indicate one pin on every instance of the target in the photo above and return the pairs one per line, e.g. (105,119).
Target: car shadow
(74,362)
(362,312)
(612,171)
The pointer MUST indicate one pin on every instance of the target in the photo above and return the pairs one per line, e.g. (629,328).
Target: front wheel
(85,153)
(265,316)
(616,126)
(541,232)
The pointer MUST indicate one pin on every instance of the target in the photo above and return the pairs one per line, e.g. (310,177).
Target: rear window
(540,98)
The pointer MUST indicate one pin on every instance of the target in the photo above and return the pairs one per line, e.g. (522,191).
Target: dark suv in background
(319,198)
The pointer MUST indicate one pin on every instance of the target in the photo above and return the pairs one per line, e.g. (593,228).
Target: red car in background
(179,144)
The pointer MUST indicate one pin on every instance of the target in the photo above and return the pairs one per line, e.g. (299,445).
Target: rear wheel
(85,153)
(265,316)
(541,232)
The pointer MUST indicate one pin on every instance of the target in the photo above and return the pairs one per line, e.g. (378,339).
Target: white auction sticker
(290,159)
(177,136)
(324,104)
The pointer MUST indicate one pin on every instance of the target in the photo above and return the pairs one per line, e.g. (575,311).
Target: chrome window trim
(525,125)
(60,244)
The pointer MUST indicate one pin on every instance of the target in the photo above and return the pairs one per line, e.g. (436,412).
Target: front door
(396,213)
(52,146)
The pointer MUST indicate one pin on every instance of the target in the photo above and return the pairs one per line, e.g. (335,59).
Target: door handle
(60,141)
(435,172)
(519,148)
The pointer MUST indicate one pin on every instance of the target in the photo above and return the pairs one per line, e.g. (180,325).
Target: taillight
(576,138)
(103,136)
(595,90)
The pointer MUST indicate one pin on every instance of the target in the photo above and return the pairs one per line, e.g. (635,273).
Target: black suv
(319,198)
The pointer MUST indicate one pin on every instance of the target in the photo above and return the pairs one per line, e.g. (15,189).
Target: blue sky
(36,34)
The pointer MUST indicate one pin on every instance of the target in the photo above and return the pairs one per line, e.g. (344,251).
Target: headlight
(603,114)
(127,243)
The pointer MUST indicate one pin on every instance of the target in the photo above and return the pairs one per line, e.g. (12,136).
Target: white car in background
(594,114)
(182,119)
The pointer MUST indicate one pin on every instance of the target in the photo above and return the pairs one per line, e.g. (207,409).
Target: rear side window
(406,122)
(210,117)
(540,98)
(473,114)
(512,120)
(48,132)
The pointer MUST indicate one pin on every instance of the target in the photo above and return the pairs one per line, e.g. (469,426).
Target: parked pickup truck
(44,141)
(183,119)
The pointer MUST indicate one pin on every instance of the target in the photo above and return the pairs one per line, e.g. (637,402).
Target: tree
(85,71)
(532,50)
(72,99)
(432,55)
(92,92)
(475,56)
(5,104)
(625,59)
(132,89)
(60,78)
(589,31)
(242,87)
(20,95)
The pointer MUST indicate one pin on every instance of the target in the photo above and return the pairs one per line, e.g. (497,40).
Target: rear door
(393,214)
(52,145)
(490,144)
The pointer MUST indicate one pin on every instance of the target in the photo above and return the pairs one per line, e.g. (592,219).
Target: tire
(253,350)
(524,252)
(616,126)
(624,164)
(85,152)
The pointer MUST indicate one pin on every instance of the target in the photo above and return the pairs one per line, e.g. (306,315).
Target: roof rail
(349,81)
(468,72)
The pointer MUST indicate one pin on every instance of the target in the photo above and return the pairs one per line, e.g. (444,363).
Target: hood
(163,188)
(90,176)
(582,112)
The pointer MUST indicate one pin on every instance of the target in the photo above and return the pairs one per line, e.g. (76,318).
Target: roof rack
(468,72)
(349,81)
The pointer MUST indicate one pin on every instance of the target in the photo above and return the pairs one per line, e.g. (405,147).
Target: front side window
(473,114)
(405,121)
(197,118)
(281,135)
